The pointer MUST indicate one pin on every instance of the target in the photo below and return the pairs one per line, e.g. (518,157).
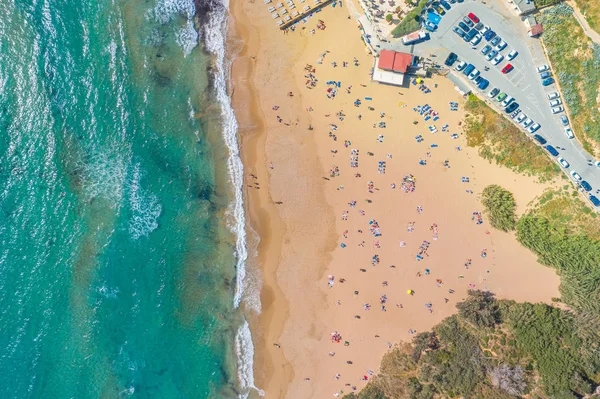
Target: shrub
(500,207)
(388,18)
(480,308)
(411,22)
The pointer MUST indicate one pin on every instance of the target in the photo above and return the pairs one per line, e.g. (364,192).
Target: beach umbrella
(409,292)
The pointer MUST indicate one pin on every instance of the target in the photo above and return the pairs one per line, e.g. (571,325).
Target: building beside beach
(392,66)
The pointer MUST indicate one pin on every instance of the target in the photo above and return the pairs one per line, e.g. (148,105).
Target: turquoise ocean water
(117,256)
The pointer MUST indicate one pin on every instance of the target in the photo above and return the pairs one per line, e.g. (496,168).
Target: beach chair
(284,11)
(268,1)
(435,118)
(306,8)
(279,5)
(280,22)
(275,16)
(271,9)
(295,14)
(287,18)
(292,6)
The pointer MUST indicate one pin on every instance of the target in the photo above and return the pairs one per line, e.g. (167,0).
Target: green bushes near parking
(411,22)
(500,207)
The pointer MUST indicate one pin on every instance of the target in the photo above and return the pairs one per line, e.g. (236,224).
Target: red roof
(394,61)
(402,61)
(536,30)
(386,60)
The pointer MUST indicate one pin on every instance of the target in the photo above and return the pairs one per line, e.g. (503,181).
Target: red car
(473,17)
(507,68)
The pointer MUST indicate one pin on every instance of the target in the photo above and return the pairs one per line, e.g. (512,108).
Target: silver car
(557,110)
(498,59)
(526,123)
(554,103)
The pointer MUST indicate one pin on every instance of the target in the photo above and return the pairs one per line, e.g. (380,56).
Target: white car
(521,117)
(542,68)
(554,103)
(473,74)
(485,30)
(460,66)
(500,46)
(575,175)
(533,127)
(553,95)
(557,110)
(498,59)
(475,41)
(511,56)
(569,132)
(526,123)
(507,101)
(563,163)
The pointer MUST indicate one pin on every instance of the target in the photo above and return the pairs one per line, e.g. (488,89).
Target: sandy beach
(365,231)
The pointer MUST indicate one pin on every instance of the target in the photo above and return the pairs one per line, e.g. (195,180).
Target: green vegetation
(491,350)
(411,22)
(591,10)
(576,63)
(546,3)
(500,207)
(501,141)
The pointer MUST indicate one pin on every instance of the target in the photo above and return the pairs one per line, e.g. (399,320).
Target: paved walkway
(589,32)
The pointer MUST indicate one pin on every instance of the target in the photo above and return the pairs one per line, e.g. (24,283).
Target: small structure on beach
(391,66)
(534,29)
(524,7)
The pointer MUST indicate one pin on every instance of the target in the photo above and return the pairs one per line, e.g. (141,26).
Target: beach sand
(299,209)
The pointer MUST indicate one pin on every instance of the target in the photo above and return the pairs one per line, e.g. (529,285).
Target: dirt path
(589,32)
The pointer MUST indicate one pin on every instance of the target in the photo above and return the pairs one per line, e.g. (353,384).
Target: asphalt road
(523,83)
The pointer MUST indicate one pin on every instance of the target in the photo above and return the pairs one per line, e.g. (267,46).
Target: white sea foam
(244,349)
(214,34)
(187,37)
(145,208)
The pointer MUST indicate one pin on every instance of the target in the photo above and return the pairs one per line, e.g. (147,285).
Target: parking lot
(523,82)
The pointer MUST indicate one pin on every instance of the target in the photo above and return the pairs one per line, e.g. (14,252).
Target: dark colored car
(445,5)
(551,150)
(586,186)
(459,31)
(451,59)
(484,84)
(464,26)
(473,17)
(490,35)
(469,69)
(539,139)
(468,21)
(511,107)
(547,82)
(595,200)
(496,40)
(507,68)
(545,75)
(479,26)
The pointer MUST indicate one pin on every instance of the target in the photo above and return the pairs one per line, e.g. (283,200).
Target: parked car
(533,127)
(501,97)
(563,163)
(515,113)
(497,59)
(489,35)
(440,10)
(476,39)
(547,82)
(494,92)
(473,74)
(507,68)
(473,17)
(594,200)
(553,95)
(496,40)
(507,100)
(557,110)
(445,5)
(470,35)
(551,150)
(564,120)
(464,26)
(542,68)
(452,1)
(430,26)
(458,31)
(484,84)
(468,21)
(526,123)
(586,186)
(554,103)
(512,55)
(491,55)
(479,26)
(460,66)
(451,59)
(486,49)
(485,30)
(569,132)
(540,139)
(512,107)
(575,175)
(521,118)
(468,69)
(501,46)
(545,75)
